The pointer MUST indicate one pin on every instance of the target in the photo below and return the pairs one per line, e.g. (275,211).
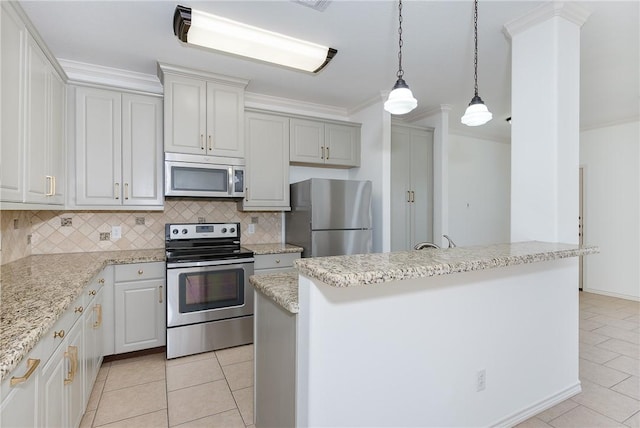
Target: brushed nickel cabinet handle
(53,190)
(116,190)
(48,184)
(59,334)
(321,152)
(32,365)
(210,144)
(327,153)
(98,308)
(126,191)
(160,294)
(201,142)
(408,195)
(413,196)
(246,194)
(72,354)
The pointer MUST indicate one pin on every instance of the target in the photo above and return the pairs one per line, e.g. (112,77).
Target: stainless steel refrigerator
(330,217)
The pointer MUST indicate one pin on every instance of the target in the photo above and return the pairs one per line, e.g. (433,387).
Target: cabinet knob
(59,334)
(92,292)
(101,281)
(140,272)
(277,260)
(79,309)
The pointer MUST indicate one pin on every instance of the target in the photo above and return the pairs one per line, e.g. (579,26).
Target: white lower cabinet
(19,406)
(271,263)
(61,383)
(52,385)
(140,306)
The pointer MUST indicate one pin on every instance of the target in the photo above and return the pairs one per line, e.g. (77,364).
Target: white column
(545,107)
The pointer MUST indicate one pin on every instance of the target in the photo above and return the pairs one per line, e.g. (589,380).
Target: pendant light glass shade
(477,113)
(400,99)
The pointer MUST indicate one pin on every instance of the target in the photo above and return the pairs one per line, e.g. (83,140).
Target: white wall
(375,164)
(611,160)
(479,190)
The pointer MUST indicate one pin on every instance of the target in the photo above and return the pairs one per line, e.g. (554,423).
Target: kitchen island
(475,336)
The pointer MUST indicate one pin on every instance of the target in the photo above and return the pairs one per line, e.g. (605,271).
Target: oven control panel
(202,230)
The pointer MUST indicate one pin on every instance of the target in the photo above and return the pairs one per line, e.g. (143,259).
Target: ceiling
(437,51)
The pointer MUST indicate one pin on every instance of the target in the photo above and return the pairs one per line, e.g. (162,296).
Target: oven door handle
(210,263)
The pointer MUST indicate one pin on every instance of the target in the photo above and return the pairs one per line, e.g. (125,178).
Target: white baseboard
(609,293)
(534,409)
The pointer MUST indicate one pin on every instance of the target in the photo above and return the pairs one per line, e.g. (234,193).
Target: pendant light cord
(475,58)
(400,70)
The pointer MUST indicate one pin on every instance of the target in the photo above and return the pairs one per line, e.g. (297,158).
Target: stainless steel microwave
(203,176)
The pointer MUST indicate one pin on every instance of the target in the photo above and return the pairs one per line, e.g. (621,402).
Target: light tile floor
(216,389)
(206,390)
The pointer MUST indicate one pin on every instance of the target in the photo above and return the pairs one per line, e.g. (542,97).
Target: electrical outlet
(105,236)
(116,232)
(481,380)
(251,229)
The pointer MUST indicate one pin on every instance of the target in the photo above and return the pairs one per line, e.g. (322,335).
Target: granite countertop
(36,290)
(281,287)
(366,269)
(276,248)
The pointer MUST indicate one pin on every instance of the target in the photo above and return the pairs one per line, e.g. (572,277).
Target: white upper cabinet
(13,35)
(267,163)
(204,113)
(118,149)
(33,117)
(324,143)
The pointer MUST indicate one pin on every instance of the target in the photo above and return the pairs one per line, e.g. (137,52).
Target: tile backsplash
(78,231)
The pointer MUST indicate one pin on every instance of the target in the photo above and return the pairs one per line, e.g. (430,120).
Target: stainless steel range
(209,298)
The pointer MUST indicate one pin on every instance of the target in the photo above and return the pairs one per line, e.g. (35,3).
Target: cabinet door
(141,150)
(225,121)
(342,145)
(38,182)
(93,339)
(267,160)
(139,315)
(421,166)
(19,406)
(307,141)
(98,147)
(56,132)
(400,189)
(185,115)
(52,389)
(75,383)
(12,39)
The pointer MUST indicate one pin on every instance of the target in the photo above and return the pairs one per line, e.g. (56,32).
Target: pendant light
(477,113)
(400,99)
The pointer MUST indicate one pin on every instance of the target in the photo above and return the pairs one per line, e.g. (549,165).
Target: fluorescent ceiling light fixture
(222,34)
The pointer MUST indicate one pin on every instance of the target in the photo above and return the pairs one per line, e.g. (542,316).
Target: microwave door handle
(231,185)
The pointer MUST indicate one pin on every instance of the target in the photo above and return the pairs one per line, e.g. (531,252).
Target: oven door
(208,293)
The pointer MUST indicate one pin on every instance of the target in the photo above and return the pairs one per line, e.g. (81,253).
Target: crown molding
(287,105)
(571,11)
(84,73)
(417,115)
(381,97)
(624,121)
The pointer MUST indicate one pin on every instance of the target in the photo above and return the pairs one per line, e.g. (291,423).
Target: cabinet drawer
(270,261)
(139,271)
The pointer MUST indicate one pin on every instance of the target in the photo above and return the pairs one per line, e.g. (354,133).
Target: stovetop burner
(192,242)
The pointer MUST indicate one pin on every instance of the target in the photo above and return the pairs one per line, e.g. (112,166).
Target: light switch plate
(116,232)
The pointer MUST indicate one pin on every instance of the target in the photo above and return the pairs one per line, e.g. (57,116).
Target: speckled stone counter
(366,269)
(281,287)
(276,248)
(36,290)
